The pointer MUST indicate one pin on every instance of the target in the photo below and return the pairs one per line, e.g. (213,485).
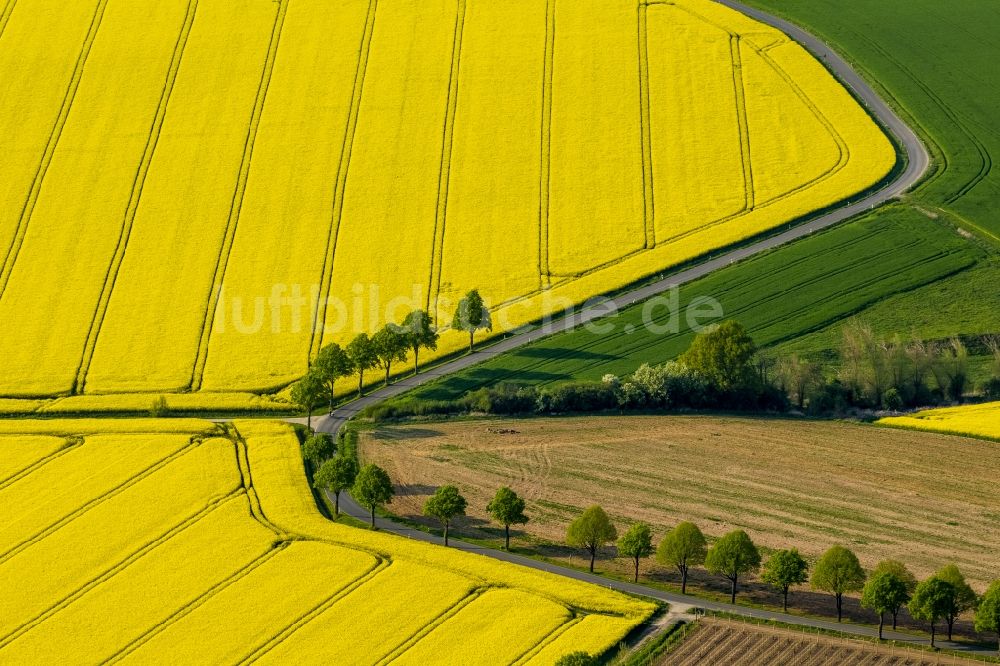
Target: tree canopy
(885,592)
(336,475)
(318,448)
(733,556)
(372,488)
(363,356)
(331,364)
(445,504)
(724,356)
(420,333)
(682,547)
(390,345)
(591,531)
(472,315)
(307,393)
(931,601)
(783,569)
(838,571)
(988,612)
(962,599)
(507,509)
(636,543)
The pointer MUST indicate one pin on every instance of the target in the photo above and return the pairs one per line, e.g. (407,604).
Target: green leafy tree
(838,572)
(783,569)
(579,658)
(732,556)
(885,592)
(472,315)
(420,333)
(445,504)
(363,356)
(372,488)
(682,547)
(507,509)
(724,356)
(308,393)
(390,346)
(331,364)
(318,448)
(336,475)
(963,599)
(988,613)
(636,543)
(591,531)
(931,601)
(898,569)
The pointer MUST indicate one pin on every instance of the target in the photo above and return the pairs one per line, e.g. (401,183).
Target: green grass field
(779,296)
(904,268)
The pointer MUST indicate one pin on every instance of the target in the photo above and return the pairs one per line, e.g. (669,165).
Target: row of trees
(886,591)
(943,596)
(390,344)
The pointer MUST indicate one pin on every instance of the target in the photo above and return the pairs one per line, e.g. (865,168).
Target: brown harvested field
(741,644)
(924,498)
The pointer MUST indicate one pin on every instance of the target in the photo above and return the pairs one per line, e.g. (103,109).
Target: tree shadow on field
(562,353)
(409,490)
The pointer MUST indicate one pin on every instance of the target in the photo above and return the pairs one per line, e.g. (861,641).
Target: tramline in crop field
(187,208)
(178,526)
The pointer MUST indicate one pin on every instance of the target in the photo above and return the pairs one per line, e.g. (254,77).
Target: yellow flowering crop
(179,526)
(190,209)
(977,420)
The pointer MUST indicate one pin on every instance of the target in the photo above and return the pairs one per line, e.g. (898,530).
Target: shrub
(576,397)
(892,400)
(991,389)
(159,407)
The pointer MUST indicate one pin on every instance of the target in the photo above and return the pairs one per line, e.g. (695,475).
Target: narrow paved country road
(915,155)
(917,161)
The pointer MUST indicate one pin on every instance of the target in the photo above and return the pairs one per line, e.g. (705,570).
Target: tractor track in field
(917,162)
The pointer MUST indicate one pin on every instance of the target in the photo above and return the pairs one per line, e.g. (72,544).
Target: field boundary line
(197,602)
(431,625)
(552,636)
(340,181)
(138,182)
(237,203)
(114,570)
(645,131)
(69,443)
(8,9)
(14,249)
(317,610)
(97,501)
(739,89)
(545,148)
(246,479)
(444,168)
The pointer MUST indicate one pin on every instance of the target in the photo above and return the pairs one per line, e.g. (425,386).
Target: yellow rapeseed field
(126,544)
(977,420)
(193,210)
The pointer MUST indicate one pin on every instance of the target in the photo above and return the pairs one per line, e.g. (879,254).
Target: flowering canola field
(189,209)
(977,420)
(126,539)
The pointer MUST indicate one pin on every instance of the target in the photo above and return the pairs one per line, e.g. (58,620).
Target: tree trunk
(636,579)
(895,614)
(506,537)
(472,334)
(446,532)
(881,623)
(593,556)
(336,503)
(309,418)
(784,599)
(387,366)
(684,579)
(331,398)
(416,360)
(932,634)
(732,595)
(361,383)
(373,516)
(840,598)
(951,625)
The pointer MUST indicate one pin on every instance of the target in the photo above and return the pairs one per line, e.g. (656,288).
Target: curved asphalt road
(917,162)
